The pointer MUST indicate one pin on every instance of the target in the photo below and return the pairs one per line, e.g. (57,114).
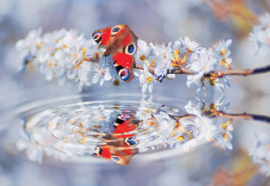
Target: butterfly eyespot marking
(130,49)
(115,124)
(124,74)
(97,152)
(97,37)
(115,158)
(95,155)
(130,141)
(115,29)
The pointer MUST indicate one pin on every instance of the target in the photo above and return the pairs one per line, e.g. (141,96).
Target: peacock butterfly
(121,43)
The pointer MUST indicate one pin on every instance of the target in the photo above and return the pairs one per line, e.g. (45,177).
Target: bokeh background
(154,21)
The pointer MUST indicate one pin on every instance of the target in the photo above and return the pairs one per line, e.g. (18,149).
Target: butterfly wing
(102,36)
(123,48)
(123,64)
(121,43)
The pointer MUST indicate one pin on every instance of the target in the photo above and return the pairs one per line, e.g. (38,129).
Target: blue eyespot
(116,29)
(116,158)
(124,74)
(130,141)
(130,48)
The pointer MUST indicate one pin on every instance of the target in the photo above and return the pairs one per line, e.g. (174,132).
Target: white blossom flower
(28,47)
(164,61)
(190,145)
(222,48)
(146,80)
(142,50)
(30,42)
(83,75)
(33,151)
(48,67)
(189,45)
(222,83)
(260,153)
(223,141)
(194,107)
(162,66)
(160,49)
(176,45)
(194,81)
(260,37)
(101,75)
(222,52)
(264,20)
(202,64)
(146,109)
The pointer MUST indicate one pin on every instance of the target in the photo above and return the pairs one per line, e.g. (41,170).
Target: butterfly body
(121,43)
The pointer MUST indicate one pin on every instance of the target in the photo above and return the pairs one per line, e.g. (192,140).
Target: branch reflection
(118,132)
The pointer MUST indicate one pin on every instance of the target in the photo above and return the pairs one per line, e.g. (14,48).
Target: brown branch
(170,71)
(243,116)
(240,72)
(214,74)
(91,59)
(234,116)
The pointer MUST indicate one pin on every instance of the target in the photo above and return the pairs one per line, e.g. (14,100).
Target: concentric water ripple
(112,130)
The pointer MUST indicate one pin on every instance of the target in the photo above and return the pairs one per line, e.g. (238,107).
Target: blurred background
(153,21)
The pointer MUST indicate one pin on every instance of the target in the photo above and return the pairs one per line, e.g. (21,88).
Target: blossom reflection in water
(118,132)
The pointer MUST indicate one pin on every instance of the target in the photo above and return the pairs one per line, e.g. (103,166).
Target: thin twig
(243,116)
(215,74)
(221,114)
(259,70)
(91,59)
(170,71)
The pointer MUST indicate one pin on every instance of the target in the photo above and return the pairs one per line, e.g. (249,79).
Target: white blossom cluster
(260,36)
(185,133)
(75,130)
(62,54)
(185,53)
(260,152)
(64,131)
(212,129)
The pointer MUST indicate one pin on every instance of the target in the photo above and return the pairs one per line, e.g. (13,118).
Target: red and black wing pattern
(121,43)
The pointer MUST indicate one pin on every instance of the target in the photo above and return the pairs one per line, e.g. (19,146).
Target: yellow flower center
(176,60)
(78,65)
(143,57)
(153,64)
(224,63)
(97,55)
(185,57)
(180,138)
(223,52)
(225,136)
(149,79)
(84,51)
(50,64)
(189,50)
